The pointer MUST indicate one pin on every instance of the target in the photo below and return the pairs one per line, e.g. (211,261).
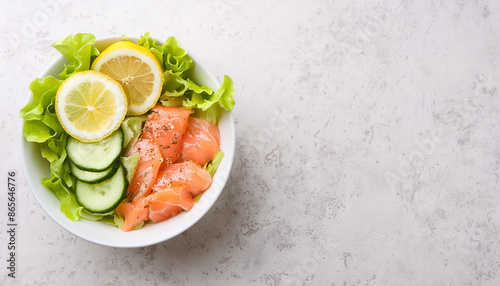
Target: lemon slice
(90,105)
(137,69)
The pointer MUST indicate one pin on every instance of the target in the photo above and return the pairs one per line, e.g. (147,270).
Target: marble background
(367,143)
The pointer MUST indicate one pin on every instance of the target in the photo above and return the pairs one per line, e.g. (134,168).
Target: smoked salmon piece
(158,206)
(162,185)
(166,127)
(195,179)
(147,168)
(134,213)
(169,202)
(201,141)
(163,211)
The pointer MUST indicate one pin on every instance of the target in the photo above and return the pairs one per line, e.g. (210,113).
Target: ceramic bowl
(35,168)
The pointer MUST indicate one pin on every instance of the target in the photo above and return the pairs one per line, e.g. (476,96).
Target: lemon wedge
(90,105)
(137,70)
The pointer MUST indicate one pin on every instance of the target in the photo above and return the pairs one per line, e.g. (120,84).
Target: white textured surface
(368,143)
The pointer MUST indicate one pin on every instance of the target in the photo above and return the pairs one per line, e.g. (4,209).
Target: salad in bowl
(127,141)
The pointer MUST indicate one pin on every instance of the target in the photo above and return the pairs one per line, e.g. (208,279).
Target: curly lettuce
(132,129)
(79,50)
(173,85)
(171,55)
(42,126)
(179,90)
(205,103)
(208,105)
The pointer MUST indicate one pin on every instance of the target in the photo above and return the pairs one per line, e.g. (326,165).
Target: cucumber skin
(122,197)
(115,166)
(91,169)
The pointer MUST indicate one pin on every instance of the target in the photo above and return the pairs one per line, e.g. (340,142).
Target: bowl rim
(221,182)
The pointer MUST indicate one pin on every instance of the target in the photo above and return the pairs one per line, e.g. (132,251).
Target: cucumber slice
(104,196)
(94,177)
(97,156)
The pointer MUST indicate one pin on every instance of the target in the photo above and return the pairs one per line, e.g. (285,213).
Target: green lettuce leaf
(139,225)
(110,219)
(170,54)
(48,153)
(79,50)
(130,164)
(193,102)
(56,186)
(212,114)
(69,204)
(58,145)
(36,131)
(173,85)
(70,207)
(199,89)
(172,102)
(85,214)
(209,105)
(213,165)
(223,96)
(197,95)
(41,122)
(132,129)
(118,220)
(61,181)
(43,90)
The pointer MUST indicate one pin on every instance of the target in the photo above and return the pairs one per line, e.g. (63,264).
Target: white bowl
(35,168)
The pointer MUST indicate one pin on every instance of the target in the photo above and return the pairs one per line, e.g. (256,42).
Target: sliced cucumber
(94,177)
(97,156)
(104,196)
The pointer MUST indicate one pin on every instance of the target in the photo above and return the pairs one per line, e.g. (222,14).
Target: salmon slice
(147,168)
(134,213)
(166,127)
(169,202)
(201,141)
(175,194)
(195,179)
(163,211)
